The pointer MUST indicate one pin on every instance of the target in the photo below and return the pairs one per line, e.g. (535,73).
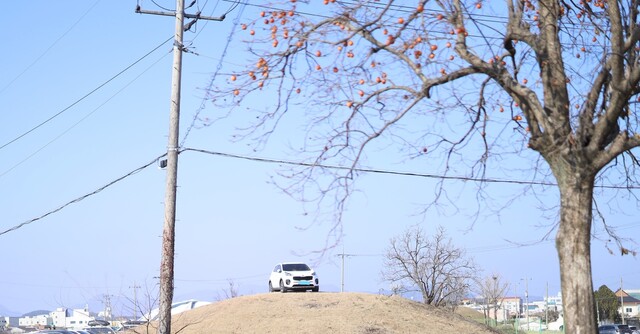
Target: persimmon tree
(458,83)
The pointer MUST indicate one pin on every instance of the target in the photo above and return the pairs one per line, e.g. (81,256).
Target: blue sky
(232,222)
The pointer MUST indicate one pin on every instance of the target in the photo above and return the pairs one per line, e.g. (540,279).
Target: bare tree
(230,292)
(455,81)
(492,290)
(145,306)
(434,266)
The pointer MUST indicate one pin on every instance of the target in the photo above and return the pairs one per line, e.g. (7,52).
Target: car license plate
(305,283)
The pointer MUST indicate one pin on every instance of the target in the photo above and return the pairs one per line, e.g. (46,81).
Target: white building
(79,318)
(71,318)
(555,303)
(37,321)
(60,318)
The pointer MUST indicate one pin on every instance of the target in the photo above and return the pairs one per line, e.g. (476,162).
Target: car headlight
(313,273)
(287,273)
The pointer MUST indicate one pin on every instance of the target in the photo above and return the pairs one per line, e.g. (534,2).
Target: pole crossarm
(196,16)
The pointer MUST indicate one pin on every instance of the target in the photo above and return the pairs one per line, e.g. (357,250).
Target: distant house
(629,305)
(633,293)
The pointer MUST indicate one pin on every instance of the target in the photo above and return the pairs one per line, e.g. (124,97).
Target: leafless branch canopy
(440,271)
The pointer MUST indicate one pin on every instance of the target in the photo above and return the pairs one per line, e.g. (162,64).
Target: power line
(475,17)
(302,164)
(79,121)
(215,74)
(49,48)
(219,280)
(391,172)
(85,96)
(81,198)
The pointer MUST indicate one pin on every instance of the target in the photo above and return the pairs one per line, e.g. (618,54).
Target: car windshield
(295,267)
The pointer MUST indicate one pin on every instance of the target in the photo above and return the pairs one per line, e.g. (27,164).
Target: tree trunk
(573,243)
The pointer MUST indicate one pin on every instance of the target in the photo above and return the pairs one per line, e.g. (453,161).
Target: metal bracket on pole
(196,16)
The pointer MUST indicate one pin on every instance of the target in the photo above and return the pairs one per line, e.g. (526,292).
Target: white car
(290,276)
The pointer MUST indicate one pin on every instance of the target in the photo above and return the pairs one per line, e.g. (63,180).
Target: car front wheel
(282,288)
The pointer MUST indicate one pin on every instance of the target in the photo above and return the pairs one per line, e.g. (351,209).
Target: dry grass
(322,313)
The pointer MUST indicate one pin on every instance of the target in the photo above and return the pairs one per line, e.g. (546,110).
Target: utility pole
(343,255)
(135,300)
(621,301)
(526,299)
(168,231)
(107,307)
(546,307)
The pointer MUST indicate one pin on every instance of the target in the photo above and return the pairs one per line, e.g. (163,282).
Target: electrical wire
(203,103)
(376,171)
(478,17)
(396,173)
(85,96)
(49,48)
(81,198)
(83,118)
(301,164)
(161,7)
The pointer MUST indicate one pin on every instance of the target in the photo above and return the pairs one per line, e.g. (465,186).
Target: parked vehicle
(607,329)
(99,330)
(624,329)
(293,276)
(98,323)
(614,329)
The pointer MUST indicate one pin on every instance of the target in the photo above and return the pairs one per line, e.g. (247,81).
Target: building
(629,305)
(71,318)
(507,308)
(36,321)
(512,306)
(60,318)
(7,322)
(554,303)
(633,293)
